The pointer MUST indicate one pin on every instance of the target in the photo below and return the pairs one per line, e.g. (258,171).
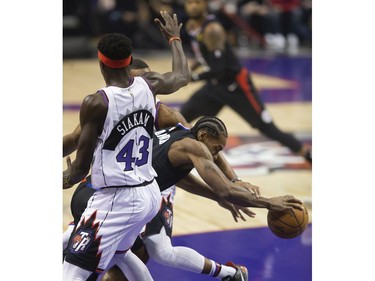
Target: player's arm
(199,155)
(228,171)
(214,39)
(92,116)
(195,186)
(169,117)
(70,141)
(170,82)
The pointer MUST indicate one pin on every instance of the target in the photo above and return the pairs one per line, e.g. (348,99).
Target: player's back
(123,155)
(169,175)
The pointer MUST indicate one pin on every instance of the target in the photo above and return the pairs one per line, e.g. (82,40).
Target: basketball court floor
(285,84)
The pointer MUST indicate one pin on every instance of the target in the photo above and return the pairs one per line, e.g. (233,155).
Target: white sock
(220,270)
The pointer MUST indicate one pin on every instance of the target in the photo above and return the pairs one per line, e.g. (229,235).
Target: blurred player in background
(227,81)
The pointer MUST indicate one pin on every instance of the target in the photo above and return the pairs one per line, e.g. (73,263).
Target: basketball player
(176,151)
(116,136)
(227,81)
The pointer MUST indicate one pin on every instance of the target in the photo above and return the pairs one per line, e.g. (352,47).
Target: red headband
(114,63)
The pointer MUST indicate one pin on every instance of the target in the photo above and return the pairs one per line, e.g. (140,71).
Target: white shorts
(113,215)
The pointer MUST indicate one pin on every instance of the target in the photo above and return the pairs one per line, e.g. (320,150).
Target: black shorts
(80,198)
(163,218)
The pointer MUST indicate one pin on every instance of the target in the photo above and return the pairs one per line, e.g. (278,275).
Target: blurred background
(273,26)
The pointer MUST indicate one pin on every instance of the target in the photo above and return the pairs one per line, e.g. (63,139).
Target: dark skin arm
(195,186)
(228,171)
(170,82)
(169,117)
(92,116)
(189,151)
(70,141)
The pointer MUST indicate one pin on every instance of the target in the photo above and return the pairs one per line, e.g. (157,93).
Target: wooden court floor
(193,214)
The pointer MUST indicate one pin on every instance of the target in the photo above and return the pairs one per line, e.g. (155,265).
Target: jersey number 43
(126,154)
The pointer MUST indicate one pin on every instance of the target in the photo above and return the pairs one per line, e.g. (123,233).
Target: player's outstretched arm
(170,82)
(202,160)
(195,186)
(228,171)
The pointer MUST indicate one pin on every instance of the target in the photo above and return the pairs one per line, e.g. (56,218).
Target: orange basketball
(287,226)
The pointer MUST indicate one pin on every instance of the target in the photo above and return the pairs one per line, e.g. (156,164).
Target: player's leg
(246,101)
(160,249)
(103,226)
(114,273)
(72,272)
(201,103)
(132,267)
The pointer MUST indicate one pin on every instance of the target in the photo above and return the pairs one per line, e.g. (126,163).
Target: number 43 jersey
(123,155)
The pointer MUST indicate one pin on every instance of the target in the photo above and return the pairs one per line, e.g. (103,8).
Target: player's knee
(163,255)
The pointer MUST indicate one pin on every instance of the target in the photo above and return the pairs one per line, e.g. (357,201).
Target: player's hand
(171,28)
(66,173)
(250,187)
(246,211)
(285,203)
(235,210)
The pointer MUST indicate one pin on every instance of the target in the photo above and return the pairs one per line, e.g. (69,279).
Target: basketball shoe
(240,275)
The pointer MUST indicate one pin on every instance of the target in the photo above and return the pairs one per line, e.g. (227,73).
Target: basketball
(287,226)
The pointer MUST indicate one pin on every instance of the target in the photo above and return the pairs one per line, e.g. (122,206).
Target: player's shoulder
(94,105)
(94,100)
(188,145)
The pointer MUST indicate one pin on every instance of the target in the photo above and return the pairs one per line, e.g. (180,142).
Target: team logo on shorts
(81,241)
(85,239)
(168,217)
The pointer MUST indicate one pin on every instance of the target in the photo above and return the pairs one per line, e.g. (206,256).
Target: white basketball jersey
(123,155)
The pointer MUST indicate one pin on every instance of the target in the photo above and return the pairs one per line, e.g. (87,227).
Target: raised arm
(170,82)
(92,116)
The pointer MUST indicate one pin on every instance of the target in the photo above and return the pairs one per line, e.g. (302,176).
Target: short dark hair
(138,64)
(115,46)
(212,125)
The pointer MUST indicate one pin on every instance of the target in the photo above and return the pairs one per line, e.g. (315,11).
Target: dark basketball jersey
(167,174)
